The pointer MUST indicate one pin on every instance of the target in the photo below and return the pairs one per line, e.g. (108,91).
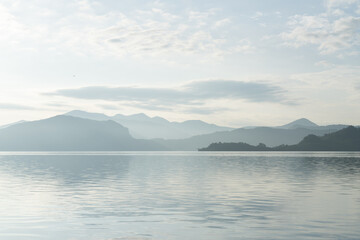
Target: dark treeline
(347,139)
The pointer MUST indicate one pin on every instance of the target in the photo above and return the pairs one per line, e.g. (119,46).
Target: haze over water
(180,195)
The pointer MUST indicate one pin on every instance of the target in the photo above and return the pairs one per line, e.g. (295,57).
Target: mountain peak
(69,133)
(87,115)
(75,112)
(141,125)
(300,123)
(139,116)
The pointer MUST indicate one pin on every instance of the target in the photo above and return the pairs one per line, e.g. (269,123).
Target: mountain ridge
(106,129)
(142,126)
(300,123)
(347,139)
(271,136)
(67,133)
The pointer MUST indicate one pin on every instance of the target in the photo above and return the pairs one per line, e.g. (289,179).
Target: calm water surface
(179,195)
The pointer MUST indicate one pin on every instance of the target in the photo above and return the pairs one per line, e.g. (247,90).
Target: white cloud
(324,64)
(11,106)
(329,35)
(336,78)
(201,18)
(332,31)
(245,46)
(147,32)
(186,94)
(337,12)
(340,3)
(257,15)
(11,30)
(222,22)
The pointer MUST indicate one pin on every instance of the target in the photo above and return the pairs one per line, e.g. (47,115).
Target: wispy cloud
(190,93)
(245,46)
(145,32)
(108,106)
(222,22)
(205,110)
(57,105)
(11,106)
(330,31)
(340,3)
(152,107)
(257,15)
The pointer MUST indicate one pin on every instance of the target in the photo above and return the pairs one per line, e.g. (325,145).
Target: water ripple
(143,196)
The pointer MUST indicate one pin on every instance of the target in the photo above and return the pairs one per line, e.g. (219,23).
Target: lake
(179,195)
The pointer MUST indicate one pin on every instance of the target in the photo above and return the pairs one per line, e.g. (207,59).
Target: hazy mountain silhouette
(271,136)
(300,123)
(347,139)
(235,147)
(80,133)
(66,133)
(10,124)
(305,123)
(88,115)
(143,126)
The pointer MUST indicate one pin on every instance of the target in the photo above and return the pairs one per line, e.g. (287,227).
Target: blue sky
(232,63)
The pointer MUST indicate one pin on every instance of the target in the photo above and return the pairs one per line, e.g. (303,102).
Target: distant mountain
(235,147)
(270,136)
(67,133)
(305,123)
(300,123)
(347,139)
(93,116)
(10,124)
(145,127)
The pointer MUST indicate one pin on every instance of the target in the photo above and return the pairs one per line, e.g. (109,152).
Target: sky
(232,63)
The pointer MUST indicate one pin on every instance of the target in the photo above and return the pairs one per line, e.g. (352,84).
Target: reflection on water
(179,196)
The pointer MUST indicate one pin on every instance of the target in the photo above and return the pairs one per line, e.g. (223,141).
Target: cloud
(11,106)
(108,106)
(245,46)
(324,64)
(153,107)
(201,18)
(254,92)
(204,110)
(340,3)
(11,30)
(340,79)
(57,104)
(190,93)
(331,31)
(85,28)
(222,22)
(257,15)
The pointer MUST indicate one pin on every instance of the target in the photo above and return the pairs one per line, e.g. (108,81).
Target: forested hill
(347,139)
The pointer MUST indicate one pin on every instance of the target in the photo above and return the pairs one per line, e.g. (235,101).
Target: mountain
(305,123)
(10,124)
(93,116)
(270,136)
(347,139)
(300,123)
(145,127)
(235,147)
(67,133)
